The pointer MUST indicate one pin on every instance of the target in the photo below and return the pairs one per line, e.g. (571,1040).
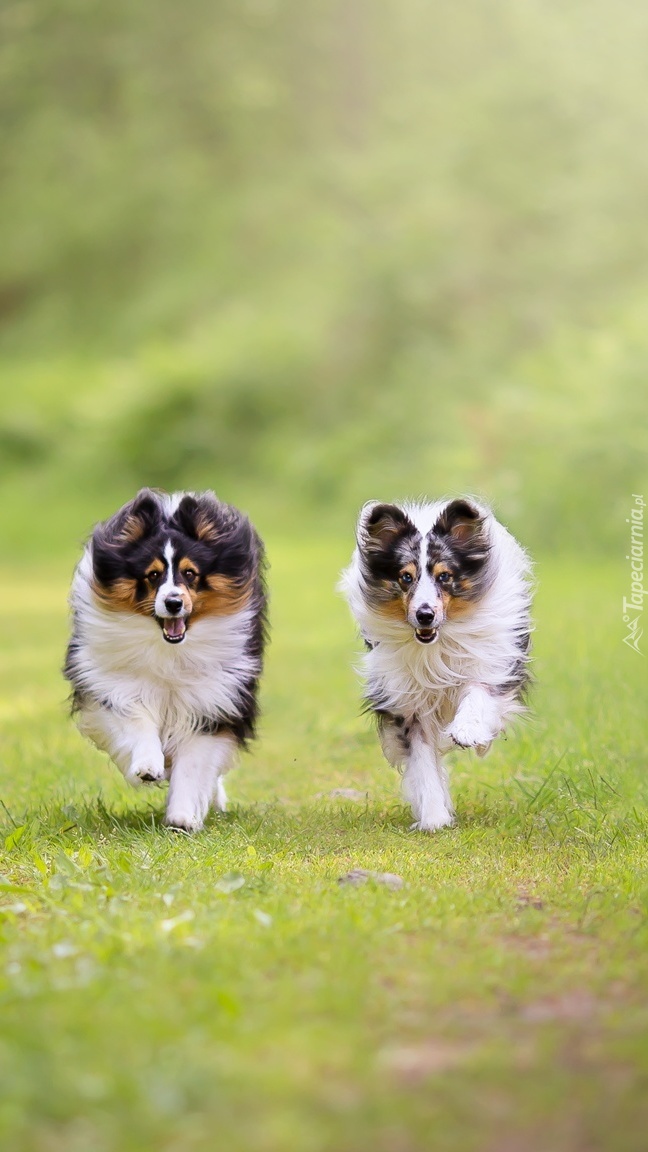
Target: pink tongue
(175,626)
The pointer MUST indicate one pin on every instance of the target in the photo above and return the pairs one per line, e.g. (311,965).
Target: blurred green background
(309,253)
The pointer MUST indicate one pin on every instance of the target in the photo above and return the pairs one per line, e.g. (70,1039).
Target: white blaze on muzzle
(425,613)
(170,602)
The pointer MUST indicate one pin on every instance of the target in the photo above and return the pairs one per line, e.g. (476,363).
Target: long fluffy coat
(441,594)
(168,630)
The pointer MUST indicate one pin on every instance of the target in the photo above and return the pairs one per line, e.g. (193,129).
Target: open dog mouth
(174,628)
(426,635)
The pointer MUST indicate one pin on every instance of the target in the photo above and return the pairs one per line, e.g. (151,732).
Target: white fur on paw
(433,824)
(185,810)
(184,821)
(146,772)
(471,735)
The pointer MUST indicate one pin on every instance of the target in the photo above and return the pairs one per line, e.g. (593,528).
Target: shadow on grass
(559,809)
(318,819)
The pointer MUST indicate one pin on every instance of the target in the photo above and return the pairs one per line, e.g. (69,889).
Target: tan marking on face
(411,569)
(156,566)
(187,565)
(439,569)
(222,597)
(395,608)
(456,607)
(188,591)
(122,597)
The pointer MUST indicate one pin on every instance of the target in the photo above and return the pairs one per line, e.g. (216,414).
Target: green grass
(311,254)
(225,991)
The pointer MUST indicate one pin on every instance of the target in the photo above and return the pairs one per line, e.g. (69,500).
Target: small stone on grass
(343,794)
(359,876)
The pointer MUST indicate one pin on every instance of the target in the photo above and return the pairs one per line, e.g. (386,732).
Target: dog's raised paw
(471,736)
(146,772)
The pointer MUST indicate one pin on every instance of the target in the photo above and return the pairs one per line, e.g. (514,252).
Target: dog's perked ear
(464,527)
(199,518)
(380,525)
(461,521)
(232,546)
(134,522)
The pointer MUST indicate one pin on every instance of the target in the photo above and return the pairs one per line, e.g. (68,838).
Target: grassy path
(226,991)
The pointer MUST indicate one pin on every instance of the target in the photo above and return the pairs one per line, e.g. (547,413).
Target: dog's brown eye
(153,577)
(406,579)
(190,575)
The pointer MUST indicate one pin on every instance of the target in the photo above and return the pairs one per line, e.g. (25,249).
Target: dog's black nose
(425,616)
(173,604)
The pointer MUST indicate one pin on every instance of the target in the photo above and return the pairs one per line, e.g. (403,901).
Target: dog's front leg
(132,742)
(425,785)
(198,765)
(477,721)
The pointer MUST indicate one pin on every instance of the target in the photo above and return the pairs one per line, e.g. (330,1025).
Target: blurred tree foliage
(313,252)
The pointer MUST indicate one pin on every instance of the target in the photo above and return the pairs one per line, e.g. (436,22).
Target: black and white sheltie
(169,618)
(441,593)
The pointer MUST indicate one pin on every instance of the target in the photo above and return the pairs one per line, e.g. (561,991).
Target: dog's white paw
(434,823)
(186,813)
(477,721)
(149,771)
(472,734)
(180,821)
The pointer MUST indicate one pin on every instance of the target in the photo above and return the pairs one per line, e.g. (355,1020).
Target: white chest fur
(123,660)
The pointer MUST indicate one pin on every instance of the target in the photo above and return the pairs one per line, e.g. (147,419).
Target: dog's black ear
(198,517)
(465,528)
(185,515)
(380,524)
(132,523)
(135,520)
(461,521)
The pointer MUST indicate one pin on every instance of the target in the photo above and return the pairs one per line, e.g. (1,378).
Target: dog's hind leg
(195,781)
(425,785)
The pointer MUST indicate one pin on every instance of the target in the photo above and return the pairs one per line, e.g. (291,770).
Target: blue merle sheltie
(168,630)
(441,594)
